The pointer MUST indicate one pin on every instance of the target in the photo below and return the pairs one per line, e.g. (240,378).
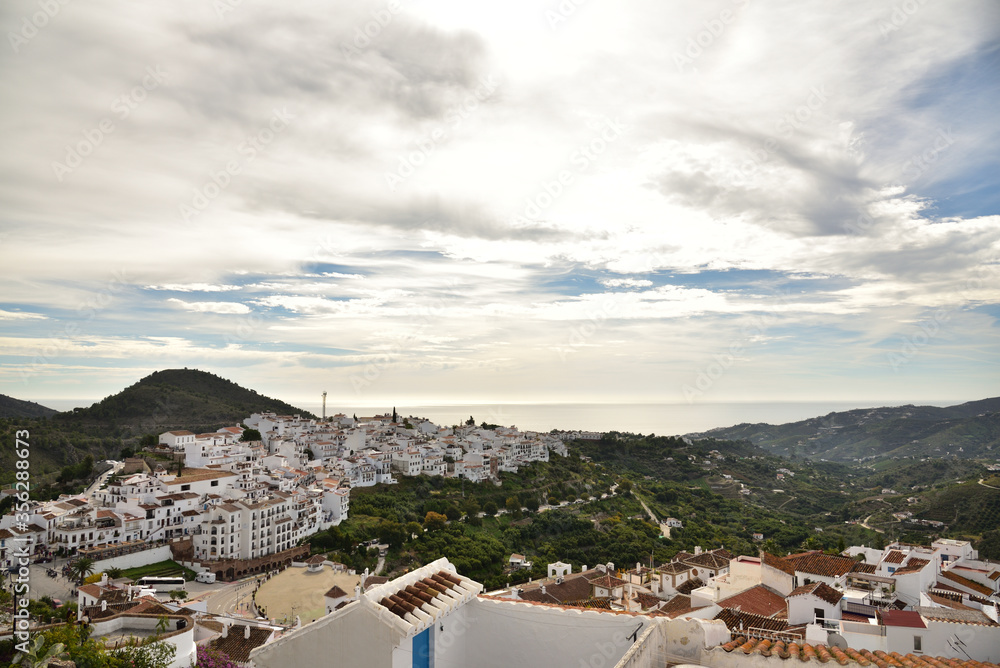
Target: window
(917,643)
(818,612)
(185,488)
(215,483)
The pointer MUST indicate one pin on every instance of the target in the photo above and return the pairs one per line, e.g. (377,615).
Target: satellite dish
(837,640)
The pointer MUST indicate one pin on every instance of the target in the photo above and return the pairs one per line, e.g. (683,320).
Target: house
(435,617)
(518,561)
(813,603)
(335,598)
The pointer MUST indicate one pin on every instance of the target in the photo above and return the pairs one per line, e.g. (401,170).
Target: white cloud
(226,308)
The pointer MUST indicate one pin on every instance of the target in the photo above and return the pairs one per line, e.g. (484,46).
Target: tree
(490,508)
(36,658)
(435,521)
(471,422)
(414,528)
(512,504)
(841,545)
(113,573)
(81,568)
(452,512)
(391,533)
(250,435)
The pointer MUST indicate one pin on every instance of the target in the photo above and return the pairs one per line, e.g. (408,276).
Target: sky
(433,201)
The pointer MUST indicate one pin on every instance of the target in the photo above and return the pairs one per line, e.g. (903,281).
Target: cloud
(20,315)
(225,308)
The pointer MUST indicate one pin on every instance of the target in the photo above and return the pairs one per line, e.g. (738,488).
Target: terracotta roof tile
(759,600)
(236,646)
(966,582)
(894,557)
(777,562)
(817,563)
(862,567)
(743,622)
(824,654)
(820,590)
(689,586)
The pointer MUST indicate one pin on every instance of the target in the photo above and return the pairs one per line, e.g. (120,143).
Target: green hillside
(16,408)
(966,431)
(164,400)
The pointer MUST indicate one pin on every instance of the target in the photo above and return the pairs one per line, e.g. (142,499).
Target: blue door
(422,649)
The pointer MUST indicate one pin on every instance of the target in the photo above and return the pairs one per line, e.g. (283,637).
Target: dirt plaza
(296,591)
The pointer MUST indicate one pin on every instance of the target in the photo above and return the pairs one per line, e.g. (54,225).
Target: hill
(967,431)
(16,408)
(164,400)
(176,399)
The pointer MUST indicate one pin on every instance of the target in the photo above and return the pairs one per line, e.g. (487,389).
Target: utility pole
(324,404)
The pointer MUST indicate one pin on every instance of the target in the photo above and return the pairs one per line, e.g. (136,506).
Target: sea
(663,419)
(639,418)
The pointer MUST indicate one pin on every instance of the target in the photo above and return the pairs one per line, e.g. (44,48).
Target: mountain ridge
(966,430)
(17,408)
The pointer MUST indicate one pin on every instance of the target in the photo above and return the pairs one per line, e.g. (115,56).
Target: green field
(160,569)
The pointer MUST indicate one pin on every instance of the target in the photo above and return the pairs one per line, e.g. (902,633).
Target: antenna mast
(324,404)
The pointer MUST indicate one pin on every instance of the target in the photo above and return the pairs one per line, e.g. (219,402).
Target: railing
(860,608)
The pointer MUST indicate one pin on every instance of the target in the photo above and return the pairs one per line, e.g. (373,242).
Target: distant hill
(176,399)
(15,408)
(164,400)
(969,430)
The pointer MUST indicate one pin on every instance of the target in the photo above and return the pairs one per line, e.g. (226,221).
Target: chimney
(583,567)
(225,631)
(246,632)
(543,590)
(104,579)
(357,591)
(104,604)
(638,566)
(697,550)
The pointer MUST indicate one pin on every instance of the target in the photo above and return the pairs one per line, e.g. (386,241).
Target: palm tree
(113,572)
(33,658)
(81,568)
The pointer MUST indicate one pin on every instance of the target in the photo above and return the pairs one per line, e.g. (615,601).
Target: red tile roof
(335,592)
(607,581)
(759,600)
(824,654)
(914,565)
(894,557)
(904,618)
(966,582)
(862,567)
(820,590)
(743,621)
(570,590)
(236,646)
(689,586)
(778,563)
(414,596)
(817,563)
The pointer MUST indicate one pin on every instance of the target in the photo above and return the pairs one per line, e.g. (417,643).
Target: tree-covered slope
(968,430)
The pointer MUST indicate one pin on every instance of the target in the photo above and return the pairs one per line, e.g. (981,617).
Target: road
(985,485)
(101,479)
(648,511)
(234,598)
(865,524)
